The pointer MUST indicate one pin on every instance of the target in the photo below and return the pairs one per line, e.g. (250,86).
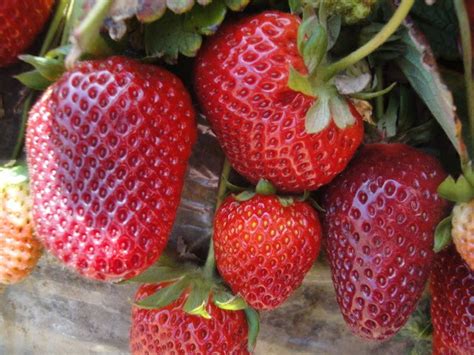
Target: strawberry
(20,23)
(169,330)
(264,246)
(265,128)
(452,309)
(107,147)
(463,231)
(19,249)
(381,215)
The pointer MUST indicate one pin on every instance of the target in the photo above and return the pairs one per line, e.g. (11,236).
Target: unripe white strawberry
(463,231)
(19,249)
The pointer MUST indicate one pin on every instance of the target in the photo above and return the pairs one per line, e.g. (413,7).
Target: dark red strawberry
(381,215)
(170,330)
(264,247)
(20,23)
(452,305)
(241,80)
(107,148)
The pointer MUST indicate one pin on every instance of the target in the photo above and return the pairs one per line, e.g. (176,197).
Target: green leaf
(244,196)
(206,19)
(196,303)
(253,321)
(457,191)
(318,115)
(443,234)
(50,68)
(237,5)
(33,80)
(299,82)
(226,300)
(169,36)
(164,296)
(417,65)
(439,24)
(156,274)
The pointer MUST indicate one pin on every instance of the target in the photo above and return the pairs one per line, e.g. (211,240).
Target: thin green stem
(376,41)
(210,265)
(464,29)
(54,26)
(21,135)
(379,109)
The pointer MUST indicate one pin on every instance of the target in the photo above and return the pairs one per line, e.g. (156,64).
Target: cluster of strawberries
(107,148)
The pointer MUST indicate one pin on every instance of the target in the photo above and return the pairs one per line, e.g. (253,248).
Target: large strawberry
(381,213)
(19,249)
(452,308)
(169,330)
(20,23)
(242,79)
(107,148)
(265,245)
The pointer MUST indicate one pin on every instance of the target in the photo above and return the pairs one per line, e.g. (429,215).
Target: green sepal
(459,190)
(304,197)
(227,301)
(299,82)
(33,80)
(165,296)
(315,48)
(198,298)
(318,115)
(253,322)
(156,274)
(468,173)
(373,94)
(316,205)
(304,31)
(265,187)
(340,111)
(14,175)
(236,5)
(286,201)
(443,234)
(49,68)
(245,196)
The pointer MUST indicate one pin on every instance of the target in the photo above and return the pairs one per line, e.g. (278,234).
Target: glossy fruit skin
(452,308)
(381,215)
(170,329)
(263,250)
(20,23)
(463,231)
(107,147)
(19,249)
(241,81)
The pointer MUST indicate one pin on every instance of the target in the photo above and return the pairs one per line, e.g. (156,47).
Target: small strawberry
(107,148)
(298,138)
(463,231)
(19,249)
(20,23)
(381,215)
(452,307)
(170,330)
(264,246)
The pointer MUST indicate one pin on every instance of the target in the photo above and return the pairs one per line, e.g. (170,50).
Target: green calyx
(199,289)
(460,190)
(13,175)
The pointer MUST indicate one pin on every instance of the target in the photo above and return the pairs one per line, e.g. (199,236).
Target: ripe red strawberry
(452,307)
(107,147)
(264,249)
(381,215)
(241,81)
(170,330)
(20,23)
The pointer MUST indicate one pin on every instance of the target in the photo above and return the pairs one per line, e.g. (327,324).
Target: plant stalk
(379,109)
(210,265)
(465,31)
(368,48)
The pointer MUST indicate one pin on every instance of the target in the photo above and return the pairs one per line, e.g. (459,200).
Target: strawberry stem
(464,29)
(210,265)
(376,41)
